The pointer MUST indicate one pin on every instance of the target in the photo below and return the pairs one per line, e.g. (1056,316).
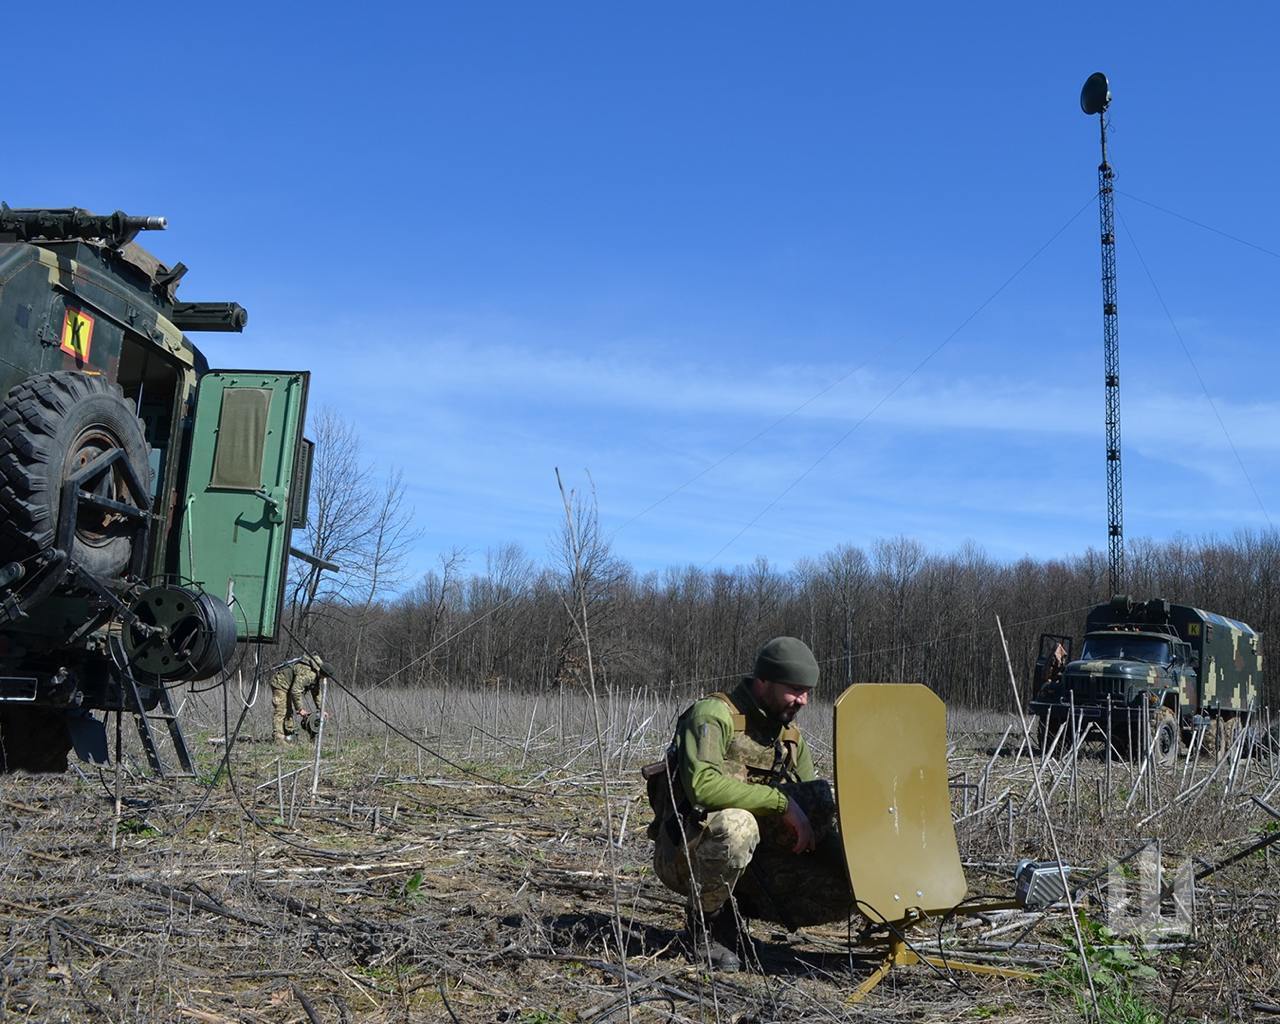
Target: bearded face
(781,700)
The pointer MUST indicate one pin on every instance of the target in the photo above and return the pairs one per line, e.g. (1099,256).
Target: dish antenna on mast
(1095,98)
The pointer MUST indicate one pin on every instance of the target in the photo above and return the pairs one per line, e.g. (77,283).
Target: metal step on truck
(1151,675)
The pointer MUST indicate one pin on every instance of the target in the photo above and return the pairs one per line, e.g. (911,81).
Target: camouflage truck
(1152,672)
(146,501)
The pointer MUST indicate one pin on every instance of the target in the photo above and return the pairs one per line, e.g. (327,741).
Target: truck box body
(1229,658)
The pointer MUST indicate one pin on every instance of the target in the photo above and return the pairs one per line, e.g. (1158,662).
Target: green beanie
(784,659)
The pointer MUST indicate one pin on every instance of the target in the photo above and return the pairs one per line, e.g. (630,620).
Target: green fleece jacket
(702,738)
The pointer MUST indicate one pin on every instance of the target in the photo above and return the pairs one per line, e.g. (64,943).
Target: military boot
(713,935)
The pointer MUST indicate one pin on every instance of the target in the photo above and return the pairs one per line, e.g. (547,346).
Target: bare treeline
(891,612)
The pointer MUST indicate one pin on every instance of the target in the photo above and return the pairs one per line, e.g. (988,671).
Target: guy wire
(1207,227)
(1196,370)
(902,383)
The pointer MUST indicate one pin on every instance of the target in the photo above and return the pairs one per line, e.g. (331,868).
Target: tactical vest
(747,759)
(751,759)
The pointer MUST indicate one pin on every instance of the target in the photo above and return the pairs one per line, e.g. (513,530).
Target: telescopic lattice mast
(1094,99)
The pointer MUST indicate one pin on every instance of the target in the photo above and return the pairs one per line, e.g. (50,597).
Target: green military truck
(146,501)
(1152,672)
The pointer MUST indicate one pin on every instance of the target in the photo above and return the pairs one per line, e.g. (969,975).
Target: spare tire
(52,425)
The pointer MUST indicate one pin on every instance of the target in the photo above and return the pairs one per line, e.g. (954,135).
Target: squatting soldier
(288,685)
(739,810)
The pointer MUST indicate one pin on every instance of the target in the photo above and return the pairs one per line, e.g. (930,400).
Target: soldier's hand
(799,823)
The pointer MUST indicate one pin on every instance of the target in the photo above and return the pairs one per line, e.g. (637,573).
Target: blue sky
(625,240)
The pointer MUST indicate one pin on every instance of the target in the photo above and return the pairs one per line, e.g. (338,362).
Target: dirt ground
(482,887)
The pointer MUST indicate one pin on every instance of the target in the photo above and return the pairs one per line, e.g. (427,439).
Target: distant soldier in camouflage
(739,810)
(289,684)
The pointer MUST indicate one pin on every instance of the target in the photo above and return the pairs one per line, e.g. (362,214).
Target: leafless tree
(362,525)
(496,596)
(591,577)
(845,575)
(380,561)
(337,523)
(897,561)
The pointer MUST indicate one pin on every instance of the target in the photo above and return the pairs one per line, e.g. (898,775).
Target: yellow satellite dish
(894,803)
(893,799)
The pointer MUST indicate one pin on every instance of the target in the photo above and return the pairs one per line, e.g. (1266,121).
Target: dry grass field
(455,865)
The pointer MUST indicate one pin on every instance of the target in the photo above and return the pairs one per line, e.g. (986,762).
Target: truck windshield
(1126,648)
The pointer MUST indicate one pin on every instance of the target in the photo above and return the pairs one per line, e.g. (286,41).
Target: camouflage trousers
(714,853)
(285,705)
(730,852)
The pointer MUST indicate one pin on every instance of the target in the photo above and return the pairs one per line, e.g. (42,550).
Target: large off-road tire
(1219,736)
(52,425)
(1163,735)
(1166,737)
(33,739)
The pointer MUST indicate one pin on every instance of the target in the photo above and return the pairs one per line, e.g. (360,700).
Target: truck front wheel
(1165,737)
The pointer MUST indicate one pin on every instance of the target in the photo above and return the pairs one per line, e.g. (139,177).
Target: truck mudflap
(88,736)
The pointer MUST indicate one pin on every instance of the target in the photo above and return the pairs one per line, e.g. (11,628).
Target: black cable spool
(179,633)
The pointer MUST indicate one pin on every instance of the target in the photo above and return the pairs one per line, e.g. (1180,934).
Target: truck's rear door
(239,501)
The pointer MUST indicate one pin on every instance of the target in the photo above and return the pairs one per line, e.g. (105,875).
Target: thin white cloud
(478,427)
(550,382)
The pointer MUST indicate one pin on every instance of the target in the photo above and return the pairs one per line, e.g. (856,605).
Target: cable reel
(178,632)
